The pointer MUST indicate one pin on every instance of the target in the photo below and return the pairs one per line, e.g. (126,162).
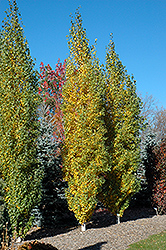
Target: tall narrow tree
(18,122)
(123,123)
(84,154)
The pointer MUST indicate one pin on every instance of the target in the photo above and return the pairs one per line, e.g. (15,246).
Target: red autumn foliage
(51,84)
(159,178)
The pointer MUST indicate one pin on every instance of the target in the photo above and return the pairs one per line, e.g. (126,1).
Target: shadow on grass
(94,247)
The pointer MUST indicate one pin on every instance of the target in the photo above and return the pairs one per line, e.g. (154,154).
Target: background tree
(160,124)
(157,178)
(51,84)
(149,108)
(123,123)
(148,143)
(84,153)
(53,203)
(18,123)
(154,161)
(151,137)
(154,116)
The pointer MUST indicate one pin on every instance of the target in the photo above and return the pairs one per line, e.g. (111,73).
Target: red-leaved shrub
(159,178)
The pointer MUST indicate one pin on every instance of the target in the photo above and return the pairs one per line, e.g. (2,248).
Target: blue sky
(138,27)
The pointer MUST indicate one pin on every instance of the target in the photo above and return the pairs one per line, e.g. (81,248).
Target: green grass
(153,242)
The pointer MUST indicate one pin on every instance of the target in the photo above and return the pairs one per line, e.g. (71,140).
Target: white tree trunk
(83,227)
(156,211)
(118,218)
(18,240)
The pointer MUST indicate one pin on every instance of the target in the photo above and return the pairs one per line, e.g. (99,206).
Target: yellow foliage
(84,153)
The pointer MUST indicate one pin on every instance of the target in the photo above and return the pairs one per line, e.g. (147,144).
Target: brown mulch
(102,231)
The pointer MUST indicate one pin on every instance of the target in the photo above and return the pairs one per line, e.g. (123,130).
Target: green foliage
(18,123)
(153,242)
(35,245)
(84,153)
(123,124)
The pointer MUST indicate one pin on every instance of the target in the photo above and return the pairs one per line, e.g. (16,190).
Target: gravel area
(102,232)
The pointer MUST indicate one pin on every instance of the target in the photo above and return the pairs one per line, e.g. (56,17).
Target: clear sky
(138,27)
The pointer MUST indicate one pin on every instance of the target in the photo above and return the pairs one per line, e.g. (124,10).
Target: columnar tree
(123,123)
(18,123)
(84,153)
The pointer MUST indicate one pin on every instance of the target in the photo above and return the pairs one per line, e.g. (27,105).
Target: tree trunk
(118,218)
(83,227)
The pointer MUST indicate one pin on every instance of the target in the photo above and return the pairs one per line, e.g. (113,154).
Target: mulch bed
(102,231)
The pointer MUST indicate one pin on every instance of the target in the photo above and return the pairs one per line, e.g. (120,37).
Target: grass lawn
(153,242)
